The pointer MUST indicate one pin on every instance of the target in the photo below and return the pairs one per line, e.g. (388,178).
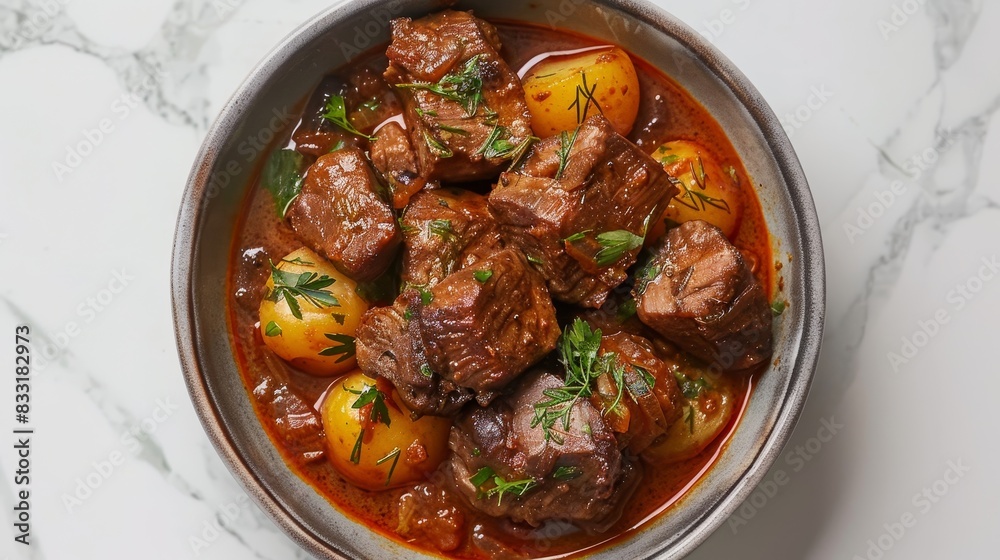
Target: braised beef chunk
(464,107)
(471,334)
(578,209)
(584,480)
(445,230)
(341,215)
(700,294)
(486,324)
(389,345)
(650,400)
(393,157)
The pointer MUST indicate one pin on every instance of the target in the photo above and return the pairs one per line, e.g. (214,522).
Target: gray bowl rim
(807,226)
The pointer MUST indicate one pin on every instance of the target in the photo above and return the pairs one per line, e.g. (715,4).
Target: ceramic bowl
(221,177)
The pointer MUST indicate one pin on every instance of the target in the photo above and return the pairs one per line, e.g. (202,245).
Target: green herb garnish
(501,487)
(778,307)
(441,228)
(309,286)
(345,347)
(426,296)
(584,99)
(426,370)
(394,455)
(691,388)
(483,275)
(566,143)
(566,473)
(464,87)
(368,395)
(336,112)
(282,177)
(338,317)
(272,329)
(578,349)
(453,129)
(615,244)
(439,149)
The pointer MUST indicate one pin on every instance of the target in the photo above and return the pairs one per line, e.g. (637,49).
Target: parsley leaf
(464,86)
(336,112)
(272,329)
(282,177)
(615,244)
(345,347)
(483,275)
(309,286)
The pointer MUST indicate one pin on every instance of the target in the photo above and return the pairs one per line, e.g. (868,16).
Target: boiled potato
(562,90)
(307,320)
(708,191)
(708,408)
(376,452)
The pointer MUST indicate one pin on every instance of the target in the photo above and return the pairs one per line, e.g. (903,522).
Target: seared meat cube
(474,332)
(699,293)
(579,209)
(388,344)
(393,157)
(650,398)
(341,214)
(584,480)
(486,324)
(464,107)
(445,230)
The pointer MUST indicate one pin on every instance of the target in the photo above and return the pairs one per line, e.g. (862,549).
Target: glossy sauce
(283,397)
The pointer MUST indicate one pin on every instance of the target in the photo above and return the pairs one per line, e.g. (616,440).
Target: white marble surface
(885,91)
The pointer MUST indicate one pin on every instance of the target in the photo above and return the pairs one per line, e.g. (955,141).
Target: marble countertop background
(890,104)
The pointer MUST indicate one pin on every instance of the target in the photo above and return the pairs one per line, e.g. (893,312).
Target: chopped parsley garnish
(345,347)
(426,296)
(464,87)
(584,99)
(339,318)
(615,244)
(379,412)
(691,388)
(565,147)
(272,329)
(309,286)
(453,129)
(483,275)
(566,473)
(626,310)
(282,177)
(394,455)
(778,307)
(441,228)
(439,149)
(336,112)
(534,260)
(426,370)
(578,352)
(500,486)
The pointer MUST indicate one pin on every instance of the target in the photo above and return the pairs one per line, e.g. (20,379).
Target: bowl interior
(265,103)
